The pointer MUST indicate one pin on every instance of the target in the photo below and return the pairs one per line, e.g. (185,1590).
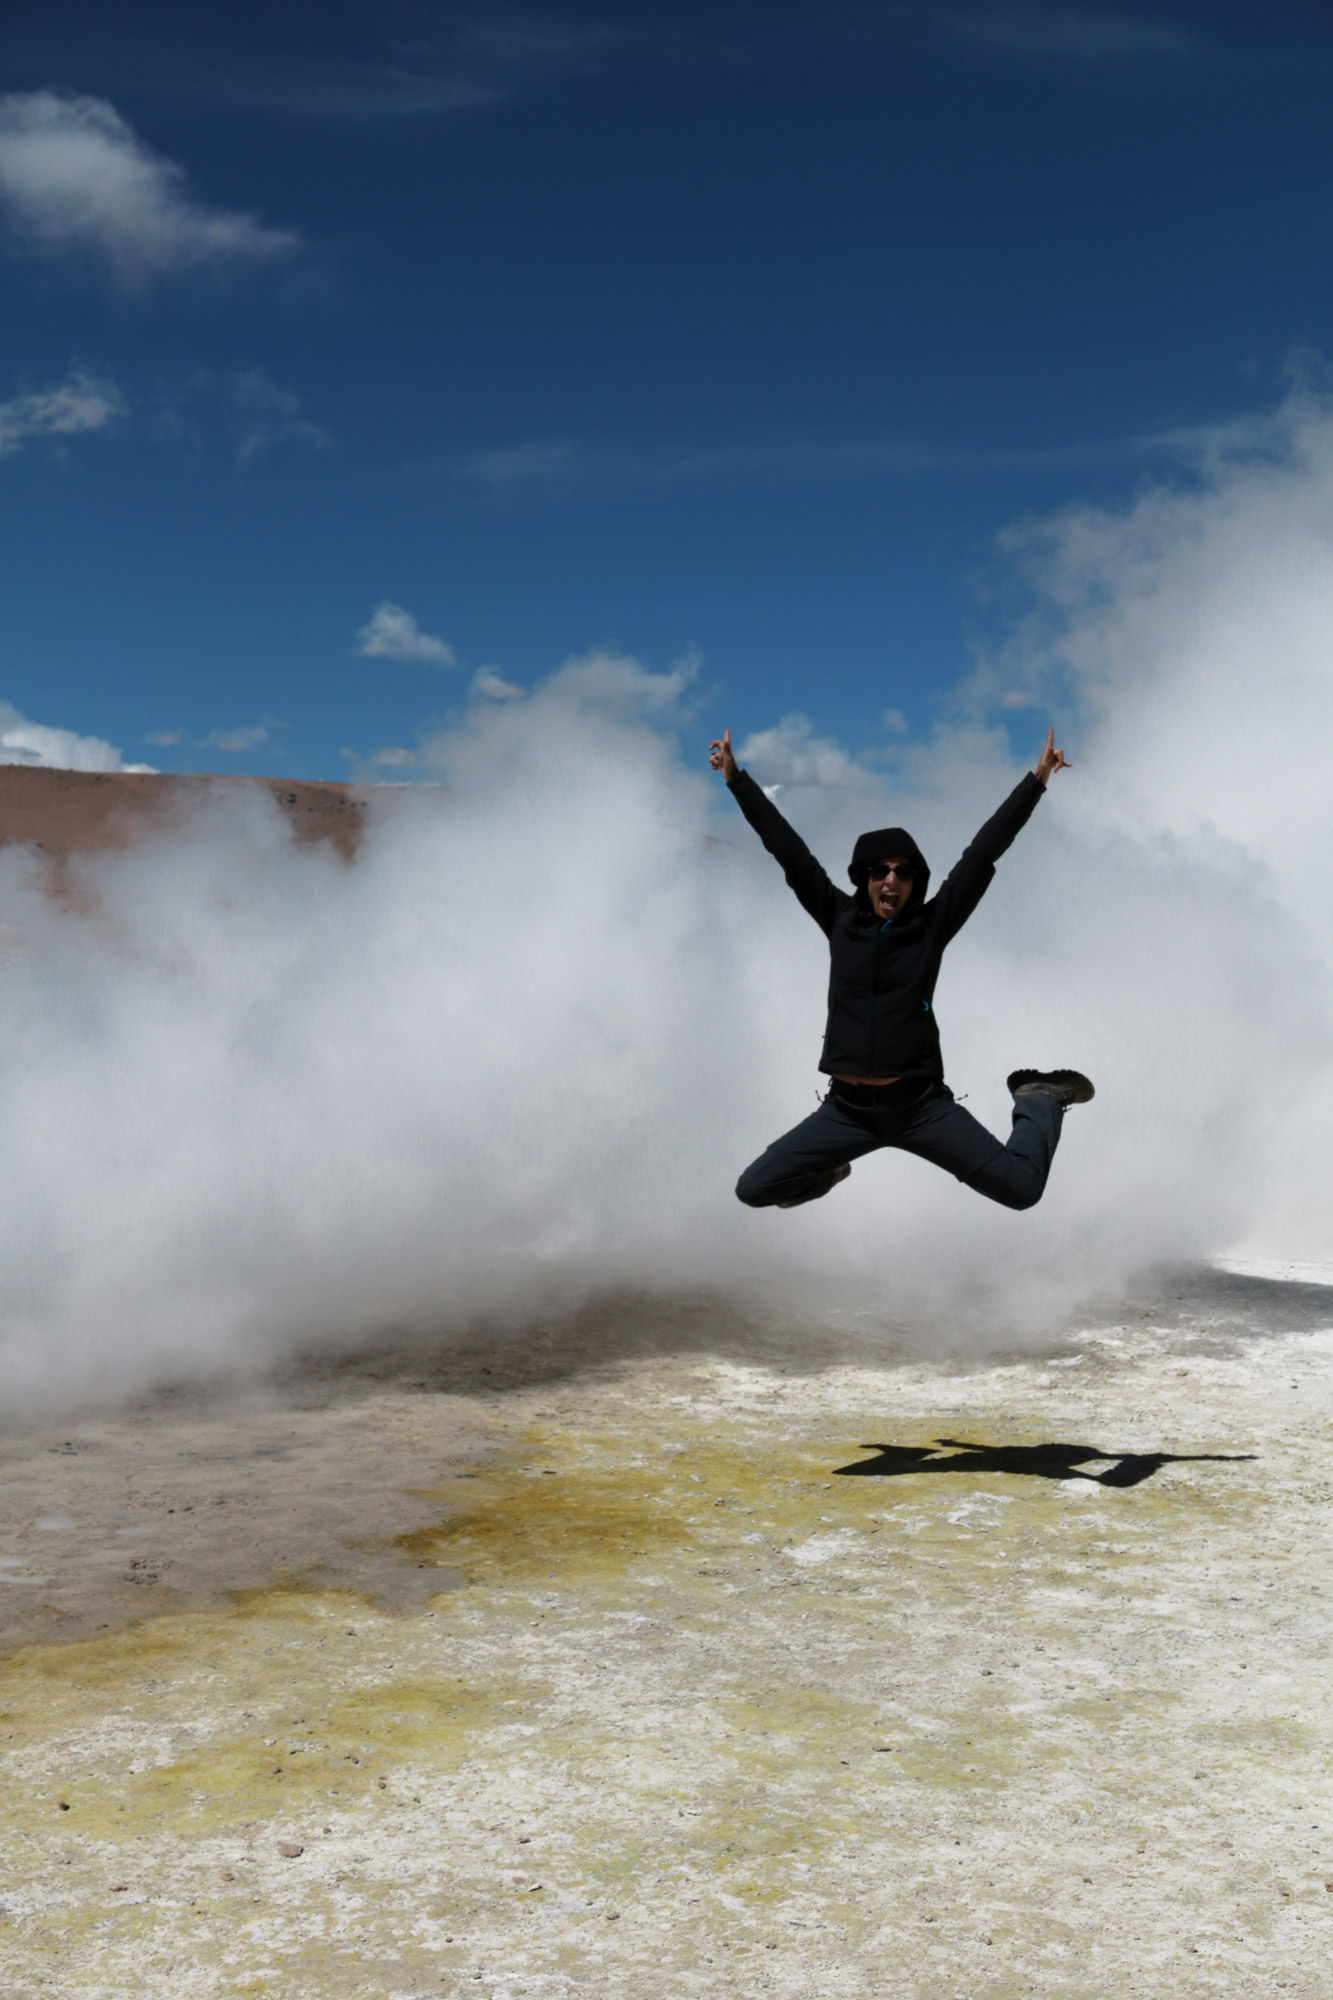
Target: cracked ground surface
(635,1658)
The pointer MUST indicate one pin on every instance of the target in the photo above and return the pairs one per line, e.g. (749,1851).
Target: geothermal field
(567,491)
(637,1659)
(448,1547)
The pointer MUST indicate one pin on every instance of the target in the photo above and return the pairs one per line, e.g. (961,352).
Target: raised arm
(968,881)
(805,877)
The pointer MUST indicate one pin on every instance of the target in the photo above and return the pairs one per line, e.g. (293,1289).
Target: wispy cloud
(1075,34)
(533,469)
(236,742)
(245,412)
(393,634)
(83,402)
(840,461)
(394,757)
(75,176)
(524,468)
(345,93)
(398,70)
(266,415)
(1255,434)
(39,745)
(525,465)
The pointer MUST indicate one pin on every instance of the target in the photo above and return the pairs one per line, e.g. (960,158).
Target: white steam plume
(519,1051)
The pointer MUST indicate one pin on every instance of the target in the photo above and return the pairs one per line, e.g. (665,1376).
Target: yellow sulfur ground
(694,1714)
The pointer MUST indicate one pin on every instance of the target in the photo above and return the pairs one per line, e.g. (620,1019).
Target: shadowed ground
(1027,1461)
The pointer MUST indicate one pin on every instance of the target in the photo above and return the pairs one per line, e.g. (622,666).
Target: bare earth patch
(638,1660)
(76,812)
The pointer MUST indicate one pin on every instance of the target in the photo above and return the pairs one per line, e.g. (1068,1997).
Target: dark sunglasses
(903,871)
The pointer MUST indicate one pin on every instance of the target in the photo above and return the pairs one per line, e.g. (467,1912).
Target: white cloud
(74,175)
(492,686)
(791,755)
(83,402)
(393,634)
(35,743)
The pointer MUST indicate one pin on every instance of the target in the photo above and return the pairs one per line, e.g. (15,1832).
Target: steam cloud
(518,1052)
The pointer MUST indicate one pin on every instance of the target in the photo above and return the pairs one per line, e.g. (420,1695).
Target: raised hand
(1051,759)
(720,757)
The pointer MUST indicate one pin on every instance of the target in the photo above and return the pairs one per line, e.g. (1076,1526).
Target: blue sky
(737,328)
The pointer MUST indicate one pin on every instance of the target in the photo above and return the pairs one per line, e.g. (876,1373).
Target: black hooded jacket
(881,1019)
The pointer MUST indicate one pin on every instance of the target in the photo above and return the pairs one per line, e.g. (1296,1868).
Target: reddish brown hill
(73,812)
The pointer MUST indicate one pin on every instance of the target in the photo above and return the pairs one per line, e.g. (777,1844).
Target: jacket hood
(879,846)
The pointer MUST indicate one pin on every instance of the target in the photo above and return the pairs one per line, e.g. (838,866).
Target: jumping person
(881,1046)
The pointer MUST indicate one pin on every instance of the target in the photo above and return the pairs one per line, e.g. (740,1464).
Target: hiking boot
(821,1187)
(1066,1086)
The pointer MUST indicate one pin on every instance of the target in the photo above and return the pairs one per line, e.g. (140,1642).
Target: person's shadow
(1035,1461)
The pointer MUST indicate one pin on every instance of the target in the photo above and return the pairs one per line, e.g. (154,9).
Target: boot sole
(1078,1086)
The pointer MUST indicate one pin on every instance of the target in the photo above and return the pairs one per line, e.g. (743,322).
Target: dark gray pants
(917,1118)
